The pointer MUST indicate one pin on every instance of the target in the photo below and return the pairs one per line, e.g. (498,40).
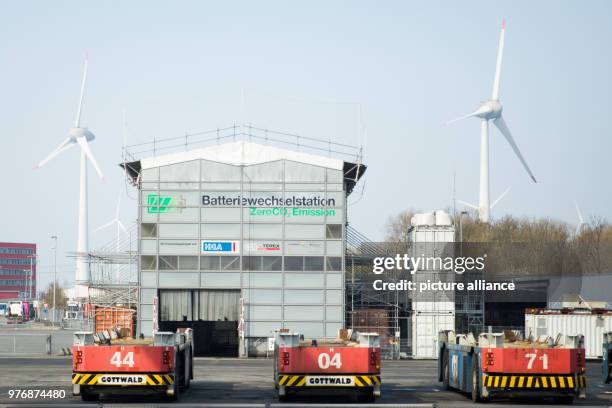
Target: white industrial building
(239,239)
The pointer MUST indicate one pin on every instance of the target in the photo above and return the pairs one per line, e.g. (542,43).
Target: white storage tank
(590,323)
(443,219)
(423,219)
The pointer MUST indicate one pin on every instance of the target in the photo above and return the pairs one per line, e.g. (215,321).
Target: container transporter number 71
(501,364)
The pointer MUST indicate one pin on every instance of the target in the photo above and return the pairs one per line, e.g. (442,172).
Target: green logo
(160,204)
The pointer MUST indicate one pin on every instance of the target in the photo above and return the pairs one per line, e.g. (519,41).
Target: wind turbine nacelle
(77,132)
(490,109)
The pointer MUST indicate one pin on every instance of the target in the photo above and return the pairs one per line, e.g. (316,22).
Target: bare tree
(60,297)
(398,226)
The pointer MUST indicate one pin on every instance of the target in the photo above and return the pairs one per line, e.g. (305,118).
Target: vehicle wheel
(175,396)
(187,376)
(284,398)
(366,397)
(565,400)
(89,396)
(445,372)
(475,383)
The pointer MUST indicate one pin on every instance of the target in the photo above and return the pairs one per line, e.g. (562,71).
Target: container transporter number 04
(503,364)
(349,363)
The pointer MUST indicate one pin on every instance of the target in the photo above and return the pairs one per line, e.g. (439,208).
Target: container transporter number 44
(349,363)
(502,364)
(117,366)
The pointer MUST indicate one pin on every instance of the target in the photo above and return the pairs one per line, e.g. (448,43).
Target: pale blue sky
(177,66)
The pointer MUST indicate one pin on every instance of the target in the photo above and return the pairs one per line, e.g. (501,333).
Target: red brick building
(17,270)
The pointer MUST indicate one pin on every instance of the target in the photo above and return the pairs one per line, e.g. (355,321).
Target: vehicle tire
(565,400)
(445,371)
(89,396)
(177,389)
(187,374)
(475,382)
(284,398)
(366,397)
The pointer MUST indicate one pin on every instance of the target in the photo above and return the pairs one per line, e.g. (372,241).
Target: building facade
(17,270)
(241,239)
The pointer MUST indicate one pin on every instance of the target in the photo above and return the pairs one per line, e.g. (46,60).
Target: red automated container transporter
(349,363)
(132,366)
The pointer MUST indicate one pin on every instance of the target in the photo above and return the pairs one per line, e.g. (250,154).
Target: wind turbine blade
(500,197)
(65,145)
(580,217)
(122,227)
(118,207)
(77,122)
(472,206)
(85,148)
(503,128)
(500,55)
(108,224)
(469,115)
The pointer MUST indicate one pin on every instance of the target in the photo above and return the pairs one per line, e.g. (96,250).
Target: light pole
(54,238)
(31,287)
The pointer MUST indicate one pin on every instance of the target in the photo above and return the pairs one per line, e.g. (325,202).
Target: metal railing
(22,343)
(241,132)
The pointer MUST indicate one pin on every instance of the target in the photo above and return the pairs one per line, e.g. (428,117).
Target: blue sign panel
(227,247)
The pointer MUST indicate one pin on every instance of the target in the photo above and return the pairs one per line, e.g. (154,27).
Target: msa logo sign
(160,204)
(224,247)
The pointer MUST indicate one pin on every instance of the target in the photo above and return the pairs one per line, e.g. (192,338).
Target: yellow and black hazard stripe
(151,379)
(533,381)
(300,380)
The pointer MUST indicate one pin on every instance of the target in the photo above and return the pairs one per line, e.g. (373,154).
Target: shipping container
(591,323)
(425,329)
(108,318)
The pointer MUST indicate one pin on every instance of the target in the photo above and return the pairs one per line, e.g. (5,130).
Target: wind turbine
(80,136)
(582,223)
(119,228)
(492,110)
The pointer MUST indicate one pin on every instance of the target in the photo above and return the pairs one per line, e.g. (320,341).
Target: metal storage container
(590,323)
(108,318)
(425,329)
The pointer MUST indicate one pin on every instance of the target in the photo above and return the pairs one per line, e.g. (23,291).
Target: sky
(177,67)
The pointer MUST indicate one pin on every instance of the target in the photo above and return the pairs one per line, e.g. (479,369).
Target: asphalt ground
(248,382)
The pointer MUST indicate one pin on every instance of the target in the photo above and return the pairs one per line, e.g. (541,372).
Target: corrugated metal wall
(591,326)
(195,305)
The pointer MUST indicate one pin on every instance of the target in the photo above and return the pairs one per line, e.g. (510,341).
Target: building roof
(244,153)
(241,153)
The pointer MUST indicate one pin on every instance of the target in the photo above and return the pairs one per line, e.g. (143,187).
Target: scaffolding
(385,312)
(390,312)
(113,284)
